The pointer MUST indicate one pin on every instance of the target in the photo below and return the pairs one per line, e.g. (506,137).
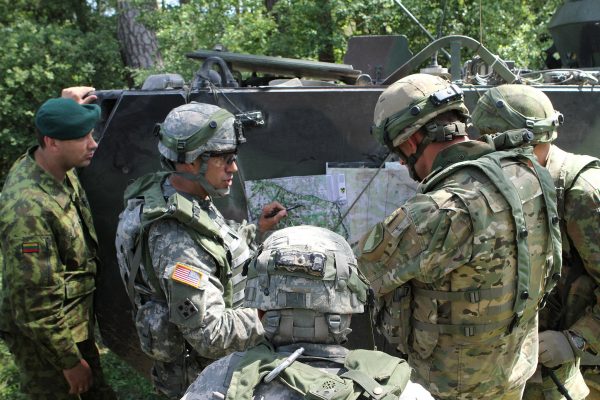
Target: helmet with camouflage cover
(198,130)
(416,103)
(513,106)
(307,281)
(412,102)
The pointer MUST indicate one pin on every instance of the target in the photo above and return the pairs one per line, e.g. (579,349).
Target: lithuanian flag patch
(187,275)
(30,247)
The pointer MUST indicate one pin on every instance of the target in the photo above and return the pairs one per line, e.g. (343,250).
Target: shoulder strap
(154,207)
(565,168)
(491,165)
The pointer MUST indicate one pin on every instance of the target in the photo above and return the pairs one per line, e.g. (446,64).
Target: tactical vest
(398,321)
(368,374)
(564,308)
(146,204)
(565,168)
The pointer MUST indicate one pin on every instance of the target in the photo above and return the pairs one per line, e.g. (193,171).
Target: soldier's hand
(555,349)
(79,377)
(80,94)
(272,213)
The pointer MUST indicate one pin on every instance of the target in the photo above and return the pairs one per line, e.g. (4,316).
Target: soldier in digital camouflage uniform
(181,261)
(461,269)
(570,322)
(305,283)
(49,250)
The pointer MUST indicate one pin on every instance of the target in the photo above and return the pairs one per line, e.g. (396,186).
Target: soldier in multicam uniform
(461,269)
(305,283)
(181,261)
(570,322)
(49,250)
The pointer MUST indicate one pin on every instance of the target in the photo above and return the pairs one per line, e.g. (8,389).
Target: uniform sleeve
(35,287)
(582,214)
(425,239)
(195,294)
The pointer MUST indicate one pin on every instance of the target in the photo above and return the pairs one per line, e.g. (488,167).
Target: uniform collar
(459,152)
(316,350)
(61,192)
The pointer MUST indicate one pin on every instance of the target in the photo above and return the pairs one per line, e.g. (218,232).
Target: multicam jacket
(471,258)
(573,305)
(49,266)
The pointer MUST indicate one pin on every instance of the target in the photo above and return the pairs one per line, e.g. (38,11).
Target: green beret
(66,119)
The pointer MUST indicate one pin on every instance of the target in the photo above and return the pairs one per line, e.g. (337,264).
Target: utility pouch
(159,339)
(393,316)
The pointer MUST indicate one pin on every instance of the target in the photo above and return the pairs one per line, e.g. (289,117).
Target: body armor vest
(576,289)
(145,204)
(525,297)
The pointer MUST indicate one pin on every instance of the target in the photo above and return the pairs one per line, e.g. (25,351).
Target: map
(320,198)
(329,201)
(390,189)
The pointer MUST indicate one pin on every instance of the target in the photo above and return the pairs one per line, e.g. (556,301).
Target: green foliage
(38,60)
(9,376)
(202,24)
(125,381)
(315,30)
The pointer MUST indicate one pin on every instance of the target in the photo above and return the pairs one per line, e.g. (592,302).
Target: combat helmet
(513,106)
(307,281)
(412,103)
(198,130)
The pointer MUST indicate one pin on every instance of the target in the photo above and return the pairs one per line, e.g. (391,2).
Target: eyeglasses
(225,158)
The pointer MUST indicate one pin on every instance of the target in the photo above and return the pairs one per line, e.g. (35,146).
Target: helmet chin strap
(433,132)
(411,161)
(200,177)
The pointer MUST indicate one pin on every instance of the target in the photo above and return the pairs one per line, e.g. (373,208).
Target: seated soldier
(306,286)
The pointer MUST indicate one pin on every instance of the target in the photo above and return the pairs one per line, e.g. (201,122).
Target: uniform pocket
(159,338)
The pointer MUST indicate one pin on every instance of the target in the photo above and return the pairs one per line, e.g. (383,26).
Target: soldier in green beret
(49,249)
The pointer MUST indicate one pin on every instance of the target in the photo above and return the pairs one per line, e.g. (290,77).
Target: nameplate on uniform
(187,275)
(30,247)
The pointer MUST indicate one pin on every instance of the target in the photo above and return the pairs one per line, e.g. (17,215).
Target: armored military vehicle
(298,116)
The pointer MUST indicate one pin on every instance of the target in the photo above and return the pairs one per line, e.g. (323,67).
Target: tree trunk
(269,4)
(325,20)
(139,46)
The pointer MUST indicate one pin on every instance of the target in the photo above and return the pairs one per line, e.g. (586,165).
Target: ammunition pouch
(393,316)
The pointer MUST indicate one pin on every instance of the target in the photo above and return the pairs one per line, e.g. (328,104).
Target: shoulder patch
(187,275)
(374,239)
(30,247)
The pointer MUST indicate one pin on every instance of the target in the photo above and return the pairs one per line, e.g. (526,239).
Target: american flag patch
(30,247)
(187,275)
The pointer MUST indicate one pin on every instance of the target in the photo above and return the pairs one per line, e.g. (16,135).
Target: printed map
(326,199)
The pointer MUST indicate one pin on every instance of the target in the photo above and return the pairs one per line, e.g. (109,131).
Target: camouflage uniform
(48,279)
(189,288)
(573,306)
(460,269)
(306,280)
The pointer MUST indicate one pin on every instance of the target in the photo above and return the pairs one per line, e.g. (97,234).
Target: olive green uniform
(476,249)
(574,304)
(49,267)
